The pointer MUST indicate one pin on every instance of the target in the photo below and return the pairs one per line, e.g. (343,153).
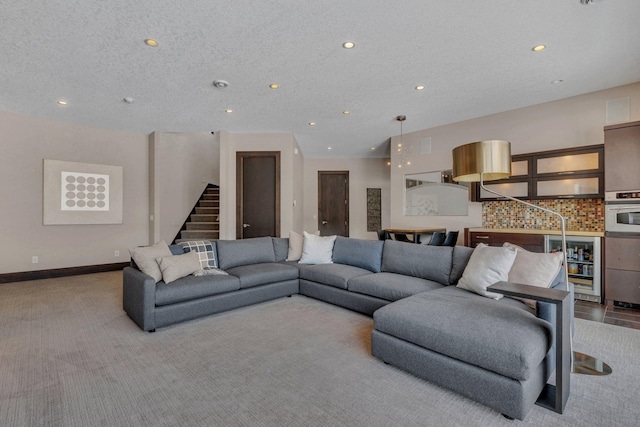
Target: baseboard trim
(61,272)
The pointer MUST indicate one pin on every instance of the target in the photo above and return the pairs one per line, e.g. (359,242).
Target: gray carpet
(69,356)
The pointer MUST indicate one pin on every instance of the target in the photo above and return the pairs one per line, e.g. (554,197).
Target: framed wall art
(81,193)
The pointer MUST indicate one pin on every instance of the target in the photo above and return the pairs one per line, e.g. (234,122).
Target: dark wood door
(333,203)
(257,194)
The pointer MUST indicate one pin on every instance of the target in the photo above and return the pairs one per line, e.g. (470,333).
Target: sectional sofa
(497,352)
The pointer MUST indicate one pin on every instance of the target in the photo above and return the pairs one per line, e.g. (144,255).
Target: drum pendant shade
(490,158)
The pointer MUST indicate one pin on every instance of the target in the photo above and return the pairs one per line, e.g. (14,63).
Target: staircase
(203,223)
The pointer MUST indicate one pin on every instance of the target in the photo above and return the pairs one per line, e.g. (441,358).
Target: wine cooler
(583,262)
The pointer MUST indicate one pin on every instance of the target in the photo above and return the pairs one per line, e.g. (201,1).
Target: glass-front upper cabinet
(576,174)
(518,185)
(566,173)
(578,161)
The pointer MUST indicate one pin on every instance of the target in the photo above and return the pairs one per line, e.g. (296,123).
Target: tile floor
(626,317)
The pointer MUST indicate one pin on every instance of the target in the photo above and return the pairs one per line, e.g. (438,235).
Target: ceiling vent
(220,84)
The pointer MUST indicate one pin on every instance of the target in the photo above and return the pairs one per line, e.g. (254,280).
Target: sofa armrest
(139,297)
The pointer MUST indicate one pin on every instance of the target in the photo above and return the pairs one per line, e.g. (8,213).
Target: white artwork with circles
(84,192)
(81,193)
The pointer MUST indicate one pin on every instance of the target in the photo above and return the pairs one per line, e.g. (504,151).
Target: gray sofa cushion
(336,275)
(390,286)
(427,262)
(262,274)
(233,253)
(460,259)
(365,254)
(192,287)
(280,248)
(500,336)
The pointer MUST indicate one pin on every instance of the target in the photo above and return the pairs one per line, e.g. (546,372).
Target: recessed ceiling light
(373,148)
(312,123)
(388,163)
(348,45)
(419,87)
(329,148)
(346,112)
(557,82)
(228,110)
(539,47)
(274,86)
(151,42)
(62,102)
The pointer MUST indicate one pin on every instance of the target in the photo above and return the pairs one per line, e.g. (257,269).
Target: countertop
(534,231)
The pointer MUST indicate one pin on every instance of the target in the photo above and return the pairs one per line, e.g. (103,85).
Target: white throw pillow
(487,265)
(535,269)
(178,266)
(316,249)
(145,258)
(295,246)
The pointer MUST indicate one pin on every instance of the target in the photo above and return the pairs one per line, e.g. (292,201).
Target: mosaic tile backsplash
(580,215)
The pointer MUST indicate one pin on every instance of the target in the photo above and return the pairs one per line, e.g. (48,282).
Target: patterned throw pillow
(206,252)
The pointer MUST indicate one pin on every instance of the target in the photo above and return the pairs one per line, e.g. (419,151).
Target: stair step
(209,203)
(212,191)
(203,226)
(199,234)
(203,217)
(211,239)
(210,196)
(207,210)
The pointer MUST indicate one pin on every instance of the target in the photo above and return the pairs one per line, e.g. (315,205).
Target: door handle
(246,225)
(324,222)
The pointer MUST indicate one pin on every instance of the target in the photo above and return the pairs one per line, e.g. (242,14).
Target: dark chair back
(401,237)
(437,238)
(451,239)
(384,235)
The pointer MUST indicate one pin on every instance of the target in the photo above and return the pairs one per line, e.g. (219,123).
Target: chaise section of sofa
(494,352)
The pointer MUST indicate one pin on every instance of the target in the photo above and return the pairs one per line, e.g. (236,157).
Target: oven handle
(626,208)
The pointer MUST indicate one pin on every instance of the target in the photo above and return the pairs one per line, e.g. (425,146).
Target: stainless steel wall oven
(622,212)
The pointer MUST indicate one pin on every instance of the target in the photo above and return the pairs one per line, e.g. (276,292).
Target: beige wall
(568,122)
(182,164)
(363,174)
(286,144)
(26,142)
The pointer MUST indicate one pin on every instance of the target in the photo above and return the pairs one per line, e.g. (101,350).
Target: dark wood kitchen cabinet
(622,151)
(622,269)
(530,242)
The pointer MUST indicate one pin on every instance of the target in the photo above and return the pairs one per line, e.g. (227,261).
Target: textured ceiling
(474,58)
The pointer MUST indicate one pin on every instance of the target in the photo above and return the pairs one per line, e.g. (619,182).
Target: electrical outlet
(34,259)
(116,253)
